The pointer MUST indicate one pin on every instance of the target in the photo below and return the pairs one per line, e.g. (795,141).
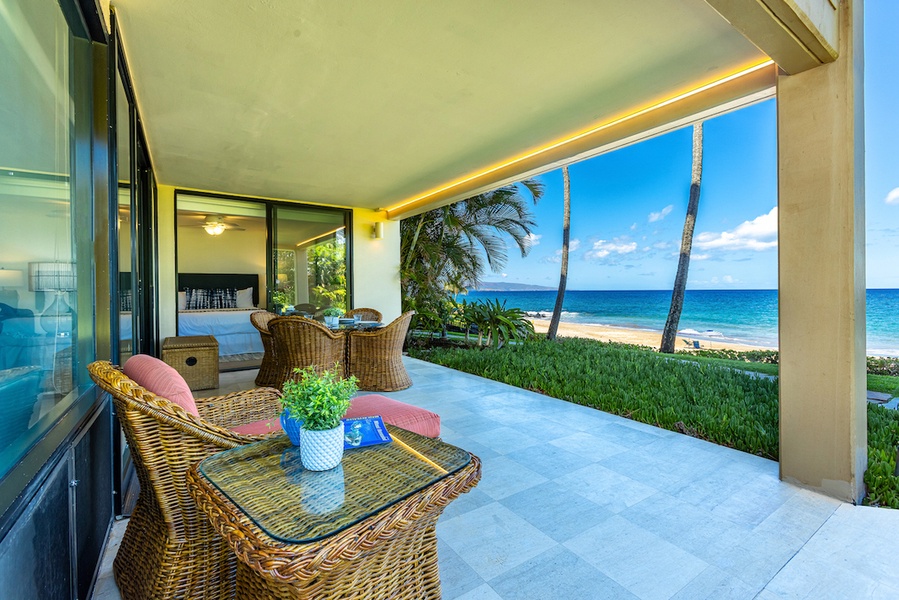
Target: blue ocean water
(740,316)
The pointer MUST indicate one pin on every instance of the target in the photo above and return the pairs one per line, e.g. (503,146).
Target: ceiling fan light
(214,228)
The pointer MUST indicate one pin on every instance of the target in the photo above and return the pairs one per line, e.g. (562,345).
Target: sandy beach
(643,337)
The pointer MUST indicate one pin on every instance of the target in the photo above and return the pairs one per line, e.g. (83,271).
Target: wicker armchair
(301,342)
(268,370)
(366,314)
(169,549)
(376,357)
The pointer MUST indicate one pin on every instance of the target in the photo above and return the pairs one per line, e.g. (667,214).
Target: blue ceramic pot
(291,427)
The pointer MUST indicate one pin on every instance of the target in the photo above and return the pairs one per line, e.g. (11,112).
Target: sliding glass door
(309,260)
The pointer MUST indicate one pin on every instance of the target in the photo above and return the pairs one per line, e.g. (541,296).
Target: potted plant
(318,400)
(332,316)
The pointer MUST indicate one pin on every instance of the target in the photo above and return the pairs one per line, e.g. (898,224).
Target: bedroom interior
(226,267)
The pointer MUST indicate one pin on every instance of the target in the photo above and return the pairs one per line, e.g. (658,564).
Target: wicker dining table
(365,529)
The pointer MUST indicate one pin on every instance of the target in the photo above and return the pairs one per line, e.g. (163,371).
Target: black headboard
(213,281)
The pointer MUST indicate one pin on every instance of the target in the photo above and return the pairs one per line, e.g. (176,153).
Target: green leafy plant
(332,312)
(319,399)
(501,324)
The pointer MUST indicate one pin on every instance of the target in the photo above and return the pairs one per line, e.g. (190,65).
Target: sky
(628,206)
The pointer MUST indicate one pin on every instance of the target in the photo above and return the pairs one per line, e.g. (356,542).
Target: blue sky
(628,206)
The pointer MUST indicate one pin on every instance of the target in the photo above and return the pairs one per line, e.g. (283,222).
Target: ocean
(740,316)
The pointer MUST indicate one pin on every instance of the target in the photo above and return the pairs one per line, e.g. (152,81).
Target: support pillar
(820,119)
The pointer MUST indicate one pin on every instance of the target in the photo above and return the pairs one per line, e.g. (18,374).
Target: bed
(230,326)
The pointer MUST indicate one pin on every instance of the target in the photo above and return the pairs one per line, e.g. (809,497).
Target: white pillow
(182,300)
(245,298)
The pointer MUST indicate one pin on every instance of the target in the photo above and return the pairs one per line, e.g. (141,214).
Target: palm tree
(566,236)
(449,249)
(669,334)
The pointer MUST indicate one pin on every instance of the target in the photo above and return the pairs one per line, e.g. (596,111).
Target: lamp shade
(51,277)
(11,277)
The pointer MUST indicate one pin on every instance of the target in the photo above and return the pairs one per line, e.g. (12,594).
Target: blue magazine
(364,431)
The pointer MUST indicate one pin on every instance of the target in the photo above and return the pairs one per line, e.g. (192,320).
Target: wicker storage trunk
(196,357)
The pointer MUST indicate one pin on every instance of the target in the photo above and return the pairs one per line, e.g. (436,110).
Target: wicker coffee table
(363,530)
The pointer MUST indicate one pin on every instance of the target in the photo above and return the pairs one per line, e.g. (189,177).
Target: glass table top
(267,481)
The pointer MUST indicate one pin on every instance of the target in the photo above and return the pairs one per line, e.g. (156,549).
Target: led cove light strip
(586,133)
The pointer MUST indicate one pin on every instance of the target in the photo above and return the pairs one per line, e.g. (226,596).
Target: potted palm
(332,316)
(318,400)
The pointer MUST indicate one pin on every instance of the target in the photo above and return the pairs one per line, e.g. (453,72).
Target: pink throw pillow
(161,379)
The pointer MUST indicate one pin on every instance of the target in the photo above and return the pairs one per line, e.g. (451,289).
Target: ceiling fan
(216,225)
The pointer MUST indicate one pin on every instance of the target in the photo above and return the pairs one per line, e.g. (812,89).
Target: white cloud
(505,274)
(634,227)
(661,245)
(726,279)
(603,248)
(533,239)
(893,196)
(573,245)
(699,256)
(658,216)
(757,234)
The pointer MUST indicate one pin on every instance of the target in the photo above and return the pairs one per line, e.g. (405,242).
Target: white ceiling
(370,103)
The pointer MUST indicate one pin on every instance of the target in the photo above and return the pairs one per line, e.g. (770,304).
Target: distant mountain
(502,286)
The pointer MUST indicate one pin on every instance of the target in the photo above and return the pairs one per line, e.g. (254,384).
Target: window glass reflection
(38,304)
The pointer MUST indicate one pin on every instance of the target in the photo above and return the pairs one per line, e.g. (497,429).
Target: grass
(705,397)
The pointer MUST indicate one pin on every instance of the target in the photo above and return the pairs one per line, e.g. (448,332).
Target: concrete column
(820,119)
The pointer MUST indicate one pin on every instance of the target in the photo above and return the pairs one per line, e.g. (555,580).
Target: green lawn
(705,397)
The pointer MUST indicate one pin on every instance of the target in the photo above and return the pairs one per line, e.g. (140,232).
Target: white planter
(321,450)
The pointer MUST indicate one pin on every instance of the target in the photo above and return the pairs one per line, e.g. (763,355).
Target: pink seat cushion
(161,379)
(259,427)
(397,413)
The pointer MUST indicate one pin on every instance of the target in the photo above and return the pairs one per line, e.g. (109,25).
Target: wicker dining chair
(268,370)
(376,357)
(169,550)
(299,342)
(366,314)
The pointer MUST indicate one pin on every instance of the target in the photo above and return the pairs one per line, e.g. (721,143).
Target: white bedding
(231,327)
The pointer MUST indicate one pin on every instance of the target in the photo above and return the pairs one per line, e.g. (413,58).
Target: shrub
(883,436)
(878,365)
(760,356)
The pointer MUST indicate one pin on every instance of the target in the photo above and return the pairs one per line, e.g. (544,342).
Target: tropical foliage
(495,324)
(327,273)
(449,249)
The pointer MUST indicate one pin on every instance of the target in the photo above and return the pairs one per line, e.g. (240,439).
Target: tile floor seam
(798,550)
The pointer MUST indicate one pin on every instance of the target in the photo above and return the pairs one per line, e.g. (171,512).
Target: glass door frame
(143,263)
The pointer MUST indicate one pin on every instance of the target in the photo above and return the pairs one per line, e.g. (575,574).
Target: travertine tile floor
(576,503)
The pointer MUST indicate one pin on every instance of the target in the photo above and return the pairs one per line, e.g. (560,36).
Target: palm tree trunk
(566,237)
(669,334)
(411,251)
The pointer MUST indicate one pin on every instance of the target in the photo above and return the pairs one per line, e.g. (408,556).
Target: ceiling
(370,104)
